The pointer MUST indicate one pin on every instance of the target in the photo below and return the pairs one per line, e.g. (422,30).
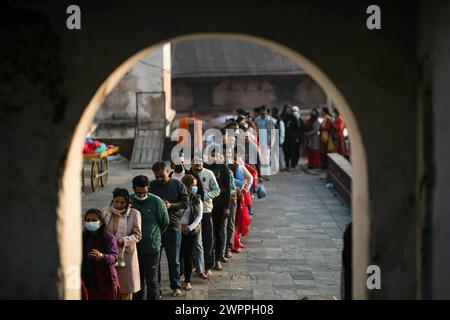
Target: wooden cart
(97,167)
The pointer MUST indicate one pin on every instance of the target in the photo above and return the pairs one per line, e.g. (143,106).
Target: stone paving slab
(293,249)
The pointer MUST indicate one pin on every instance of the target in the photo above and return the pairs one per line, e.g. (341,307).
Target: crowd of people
(317,136)
(198,213)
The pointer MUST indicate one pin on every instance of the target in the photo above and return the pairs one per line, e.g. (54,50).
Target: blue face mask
(194,189)
(92,226)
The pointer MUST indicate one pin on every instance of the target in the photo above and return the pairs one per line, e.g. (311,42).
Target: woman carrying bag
(190,227)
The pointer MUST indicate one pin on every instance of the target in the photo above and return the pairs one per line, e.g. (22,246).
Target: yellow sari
(325,138)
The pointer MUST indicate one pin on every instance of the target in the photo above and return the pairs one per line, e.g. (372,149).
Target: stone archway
(69,223)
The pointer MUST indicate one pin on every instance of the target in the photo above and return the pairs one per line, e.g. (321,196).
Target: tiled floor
(293,249)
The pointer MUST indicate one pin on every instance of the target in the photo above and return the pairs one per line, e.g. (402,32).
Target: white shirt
(248,178)
(210,188)
(282,131)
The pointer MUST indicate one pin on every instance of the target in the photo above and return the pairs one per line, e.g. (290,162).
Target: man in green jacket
(155,220)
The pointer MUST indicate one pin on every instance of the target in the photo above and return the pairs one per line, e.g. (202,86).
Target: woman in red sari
(243,220)
(312,129)
(339,127)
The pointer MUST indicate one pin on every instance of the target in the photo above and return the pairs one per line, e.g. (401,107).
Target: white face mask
(117,210)
(141,199)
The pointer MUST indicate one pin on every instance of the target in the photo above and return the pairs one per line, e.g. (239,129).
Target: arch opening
(69,196)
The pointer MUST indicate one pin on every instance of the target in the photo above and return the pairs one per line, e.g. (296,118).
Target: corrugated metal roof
(217,57)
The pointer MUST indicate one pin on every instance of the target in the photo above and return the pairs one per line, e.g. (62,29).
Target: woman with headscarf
(124,223)
(98,272)
(313,140)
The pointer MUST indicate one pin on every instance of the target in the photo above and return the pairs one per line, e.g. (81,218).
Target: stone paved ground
(293,249)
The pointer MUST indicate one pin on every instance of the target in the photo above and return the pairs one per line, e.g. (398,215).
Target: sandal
(218,266)
(177,293)
(188,287)
(204,276)
(228,255)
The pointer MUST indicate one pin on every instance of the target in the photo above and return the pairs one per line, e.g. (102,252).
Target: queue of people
(318,135)
(197,214)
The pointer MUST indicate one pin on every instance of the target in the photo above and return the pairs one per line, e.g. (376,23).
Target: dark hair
(232,123)
(241,112)
(120,192)
(326,110)
(336,111)
(188,179)
(242,127)
(314,111)
(158,166)
(95,211)
(140,181)
(102,230)
(285,107)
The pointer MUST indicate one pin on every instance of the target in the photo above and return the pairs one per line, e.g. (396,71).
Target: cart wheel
(104,169)
(95,171)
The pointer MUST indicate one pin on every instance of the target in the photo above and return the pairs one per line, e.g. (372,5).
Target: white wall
(117,116)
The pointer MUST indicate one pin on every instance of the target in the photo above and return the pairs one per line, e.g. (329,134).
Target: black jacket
(291,125)
(221,173)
